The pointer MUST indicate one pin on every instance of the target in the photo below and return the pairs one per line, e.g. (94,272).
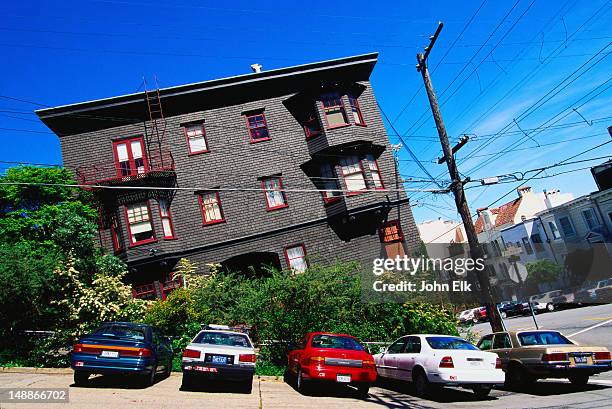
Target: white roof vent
(256,68)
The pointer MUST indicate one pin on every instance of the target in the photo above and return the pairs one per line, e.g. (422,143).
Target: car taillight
(317,360)
(555,357)
(77,348)
(446,362)
(368,363)
(136,352)
(191,353)
(498,364)
(247,358)
(601,356)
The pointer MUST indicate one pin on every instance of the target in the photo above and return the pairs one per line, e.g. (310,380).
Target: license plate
(343,378)
(109,354)
(219,359)
(474,363)
(580,359)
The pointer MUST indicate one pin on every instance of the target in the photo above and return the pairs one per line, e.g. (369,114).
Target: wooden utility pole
(457,187)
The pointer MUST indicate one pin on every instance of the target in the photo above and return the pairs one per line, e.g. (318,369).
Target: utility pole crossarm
(476,251)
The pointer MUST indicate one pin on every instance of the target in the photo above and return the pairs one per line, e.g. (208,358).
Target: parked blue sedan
(122,348)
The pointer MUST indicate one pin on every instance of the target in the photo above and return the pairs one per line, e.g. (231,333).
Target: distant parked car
(219,353)
(122,348)
(434,361)
(509,309)
(527,356)
(565,299)
(336,358)
(466,316)
(603,291)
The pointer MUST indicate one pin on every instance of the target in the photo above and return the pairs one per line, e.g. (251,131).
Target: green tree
(542,271)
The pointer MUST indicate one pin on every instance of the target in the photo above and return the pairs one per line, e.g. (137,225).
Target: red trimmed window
(170,284)
(196,138)
(166,218)
(312,127)
(129,157)
(391,232)
(144,292)
(353,174)
(329,183)
(116,233)
(356,110)
(296,258)
(210,205)
(375,172)
(258,128)
(275,197)
(140,227)
(333,107)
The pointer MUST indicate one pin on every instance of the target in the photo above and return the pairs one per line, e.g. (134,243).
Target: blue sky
(57,53)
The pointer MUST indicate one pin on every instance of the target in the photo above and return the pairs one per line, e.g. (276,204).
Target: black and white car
(219,353)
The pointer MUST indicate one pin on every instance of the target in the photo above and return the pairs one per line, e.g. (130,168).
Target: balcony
(159,164)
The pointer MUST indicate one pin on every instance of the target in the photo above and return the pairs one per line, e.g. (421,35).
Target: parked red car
(338,358)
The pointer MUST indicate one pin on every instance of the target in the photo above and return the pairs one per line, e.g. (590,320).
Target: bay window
(140,227)
(210,205)
(356,110)
(333,108)
(375,172)
(275,197)
(353,175)
(166,219)
(329,183)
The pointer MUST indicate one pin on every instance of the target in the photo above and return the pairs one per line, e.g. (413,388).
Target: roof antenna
(256,68)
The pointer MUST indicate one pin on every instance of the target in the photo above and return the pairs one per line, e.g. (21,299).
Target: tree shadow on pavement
(550,388)
(116,382)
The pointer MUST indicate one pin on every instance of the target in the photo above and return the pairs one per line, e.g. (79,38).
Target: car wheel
(579,379)
(149,379)
(248,385)
(187,382)
(168,370)
(550,307)
(475,320)
(421,384)
(504,315)
(363,389)
(518,377)
(80,378)
(481,391)
(300,383)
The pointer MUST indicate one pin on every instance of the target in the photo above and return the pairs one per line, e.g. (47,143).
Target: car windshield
(121,331)
(336,342)
(222,338)
(449,343)
(542,338)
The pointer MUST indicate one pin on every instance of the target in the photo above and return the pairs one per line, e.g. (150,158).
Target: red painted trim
(339,96)
(292,246)
(169,217)
(201,202)
(309,134)
(127,220)
(280,184)
(365,180)
(379,174)
(359,112)
(251,140)
(190,153)
(117,245)
(381,231)
(127,141)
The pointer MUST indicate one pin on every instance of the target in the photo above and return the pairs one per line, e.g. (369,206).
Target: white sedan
(434,361)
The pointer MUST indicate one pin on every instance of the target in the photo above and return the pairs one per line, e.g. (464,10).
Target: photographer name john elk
(423,286)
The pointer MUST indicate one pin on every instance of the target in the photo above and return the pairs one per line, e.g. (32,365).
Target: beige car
(531,355)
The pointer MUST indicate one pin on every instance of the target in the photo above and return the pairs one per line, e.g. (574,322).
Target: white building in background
(510,221)
(438,234)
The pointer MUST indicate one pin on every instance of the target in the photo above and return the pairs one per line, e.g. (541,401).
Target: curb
(66,371)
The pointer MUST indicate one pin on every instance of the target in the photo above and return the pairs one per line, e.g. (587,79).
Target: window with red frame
(275,197)
(170,284)
(116,233)
(144,291)
(196,138)
(329,183)
(210,205)
(375,172)
(296,258)
(166,218)
(353,175)
(356,110)
(139,223)
(258,128)
(334,110)
(312,127)
(391,232)
(129,157)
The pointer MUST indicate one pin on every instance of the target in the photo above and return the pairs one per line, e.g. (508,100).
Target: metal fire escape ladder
(155,127)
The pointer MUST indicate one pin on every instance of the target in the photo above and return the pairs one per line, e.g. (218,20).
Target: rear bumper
(329,373)
(226,372)
(563,371)
(94,364)
(467,377)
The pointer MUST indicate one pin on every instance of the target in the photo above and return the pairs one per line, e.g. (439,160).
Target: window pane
(197,144)
(122,154)
(211,207)
(355,182)
(274,196)
(167,227)
(136,149)
(297,259)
